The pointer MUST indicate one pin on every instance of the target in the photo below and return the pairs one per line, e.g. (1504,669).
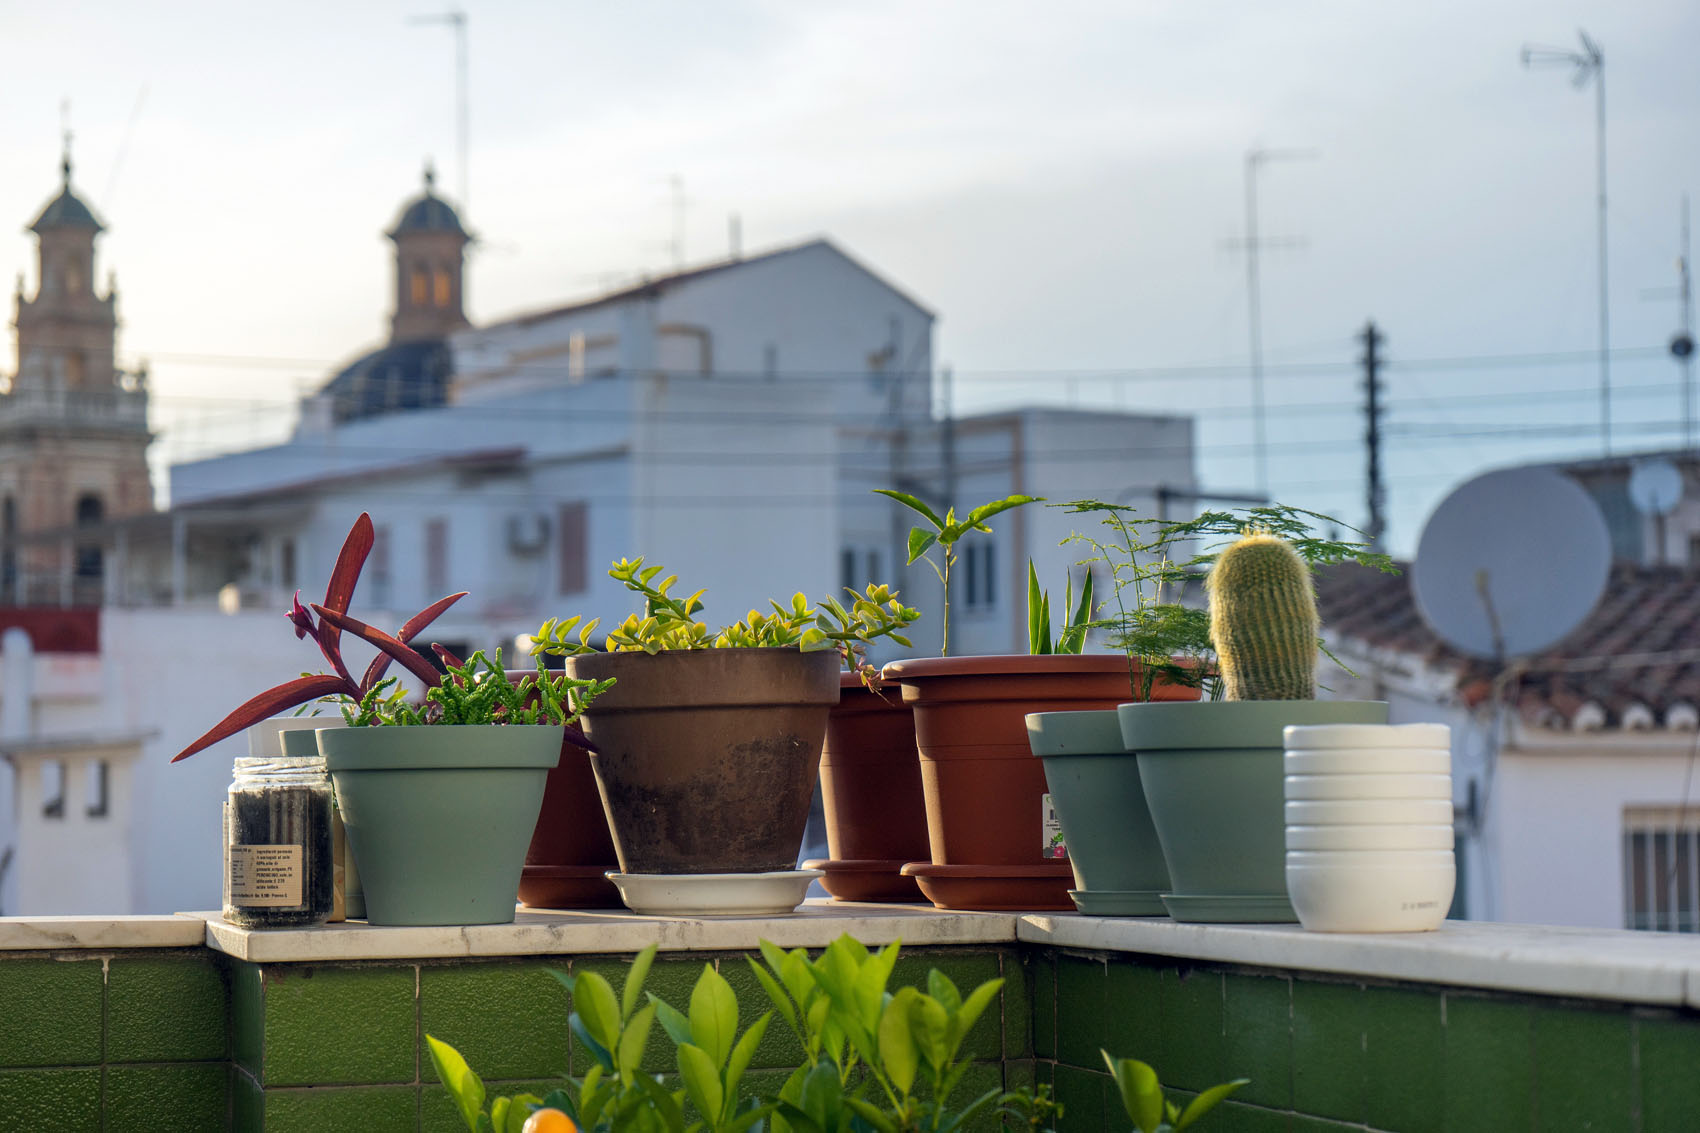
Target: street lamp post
(1590,63)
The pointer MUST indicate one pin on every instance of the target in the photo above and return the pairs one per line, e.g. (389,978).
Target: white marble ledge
(545,933)
(1627,967)
(98,932)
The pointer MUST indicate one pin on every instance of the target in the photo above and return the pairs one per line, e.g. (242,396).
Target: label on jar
(1050,830)
(265,877)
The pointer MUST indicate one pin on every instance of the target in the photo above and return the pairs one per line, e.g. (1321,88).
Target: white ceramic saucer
(714,894)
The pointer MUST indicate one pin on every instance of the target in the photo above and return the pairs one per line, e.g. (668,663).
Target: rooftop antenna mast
(456,20)
(1255,159)
(1590,63)
(1682,342)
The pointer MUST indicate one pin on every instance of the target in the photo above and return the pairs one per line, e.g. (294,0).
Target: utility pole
(1376,492)
(1682,342)
(1590,63)
(1255,160)
(456,20)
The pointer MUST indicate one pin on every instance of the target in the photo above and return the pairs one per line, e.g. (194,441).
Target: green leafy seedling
(1142,1097)
(945,532)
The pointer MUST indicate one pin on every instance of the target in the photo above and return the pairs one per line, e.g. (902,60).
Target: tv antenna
(1682,342)
(1255,159)
(456,20)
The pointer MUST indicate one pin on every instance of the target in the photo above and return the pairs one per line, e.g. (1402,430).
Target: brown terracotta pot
(870,776)
(571,848)
(707,758)
(982,784)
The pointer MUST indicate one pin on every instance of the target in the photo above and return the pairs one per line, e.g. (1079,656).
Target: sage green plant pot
(439,817)
(1095,788)
(1213,778)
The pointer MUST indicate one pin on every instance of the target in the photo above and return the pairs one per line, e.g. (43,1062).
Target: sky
(1061,182)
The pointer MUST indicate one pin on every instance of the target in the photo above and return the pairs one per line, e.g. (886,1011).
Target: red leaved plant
(327,633)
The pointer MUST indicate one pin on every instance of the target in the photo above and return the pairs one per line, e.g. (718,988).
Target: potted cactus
(1212,772)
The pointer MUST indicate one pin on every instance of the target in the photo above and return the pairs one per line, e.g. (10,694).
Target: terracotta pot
(984,789)
(870,776)
(707,758)
(571,850)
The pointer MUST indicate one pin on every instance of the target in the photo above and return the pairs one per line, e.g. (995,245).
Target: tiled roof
(1633,663)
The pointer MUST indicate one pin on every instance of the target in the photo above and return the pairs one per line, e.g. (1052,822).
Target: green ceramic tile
(1018,1075)
(1328,1049)
(52,1014)
(1043,966)
(1083,1096)
(248,1019)
(331,1026)
(1584,1077)
(1080,1011)
(1017,1006)
(341,1109)
(671,979)
(1305,1124)
(508,1020)
(1257,1038)
(1404,1056)
(1239,1117)
(779,1046)
(247,1104)
(168,1008)
(1489,1065)
(167,1099)
(967,970)
(980,1078)
(438,1113)
(1133,1014)
(1192,1027)
(1670,1073)
(67,1100)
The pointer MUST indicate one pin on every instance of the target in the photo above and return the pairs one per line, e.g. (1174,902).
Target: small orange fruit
(549,1121)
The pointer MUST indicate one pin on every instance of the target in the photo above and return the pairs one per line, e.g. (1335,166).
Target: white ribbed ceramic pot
(1369,825)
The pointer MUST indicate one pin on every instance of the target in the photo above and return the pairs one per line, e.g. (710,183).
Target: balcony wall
(163,1023)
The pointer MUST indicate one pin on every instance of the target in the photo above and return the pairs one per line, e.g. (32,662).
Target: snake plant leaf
(339,591)
(299,691)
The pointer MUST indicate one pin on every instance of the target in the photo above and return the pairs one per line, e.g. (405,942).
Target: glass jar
(278,866)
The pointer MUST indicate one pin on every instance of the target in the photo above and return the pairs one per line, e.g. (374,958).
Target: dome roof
(66,210)
(428,212)
(406,375)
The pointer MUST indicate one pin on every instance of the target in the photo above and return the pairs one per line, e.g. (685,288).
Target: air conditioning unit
(528,532)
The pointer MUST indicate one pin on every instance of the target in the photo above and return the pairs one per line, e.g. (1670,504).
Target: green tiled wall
(1330,1054)
(341,1046)
(115,1041)
(186,1039)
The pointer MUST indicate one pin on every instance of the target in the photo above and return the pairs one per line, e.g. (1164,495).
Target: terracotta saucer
(1022,888)
(568,887)
(866,879)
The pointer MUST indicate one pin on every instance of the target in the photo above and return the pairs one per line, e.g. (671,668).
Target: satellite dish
(1655,486)
(1511,562)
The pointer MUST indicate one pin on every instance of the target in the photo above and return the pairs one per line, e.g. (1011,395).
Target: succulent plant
(1263,620)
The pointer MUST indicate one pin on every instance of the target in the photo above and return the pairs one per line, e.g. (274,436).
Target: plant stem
(949,557)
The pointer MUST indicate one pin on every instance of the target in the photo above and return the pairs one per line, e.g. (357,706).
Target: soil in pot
(439,817)
(1213,778)
(707,759)
(571,850)
(1095,787)
(870,774)
(984,790)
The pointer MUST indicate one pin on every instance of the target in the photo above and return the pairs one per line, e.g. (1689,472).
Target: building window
(99,786)
(573,547)
(8,557)
(980,575)
(1661,869)
(436,557)
(76,369)
(873,569)
(378,566)
(90,512)
(847,568)
(441,288)
(286,565)
(416,287)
